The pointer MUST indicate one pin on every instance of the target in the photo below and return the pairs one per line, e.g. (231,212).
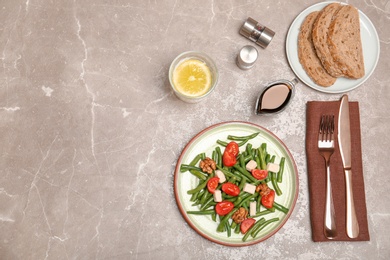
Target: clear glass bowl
(199,56)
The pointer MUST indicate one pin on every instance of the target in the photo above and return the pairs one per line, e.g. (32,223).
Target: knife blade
(344,139)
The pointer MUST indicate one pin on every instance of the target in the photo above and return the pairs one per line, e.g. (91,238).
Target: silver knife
(344,138)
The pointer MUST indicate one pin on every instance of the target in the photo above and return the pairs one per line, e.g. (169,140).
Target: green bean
(214,216)
(233,225)
(248,149)
(249,231)
(238,173)
(187,167)
(272,160)
(228,173)
(225,219)
(257,226)
(219,156)
(244,200)
(247,158)
(245,173)
(196,197)
(281,169)
(262,213)
(272,209)
(242,183)
(233,179)
(208,203)
(200,186)
(243,195)
(228,229)
(237,229)
(222,143)
(241,138)
(200,193)
(267,158)
(206,195)
(201,212)
(193,197)
(254,152)
(197,159)
(275,184)
(244,205)
(198,174)
(280,207)
(196,203)
(263,146)
(258,163)
(241,161)
(264,225)
(258,204)
(261,156)
(243,142)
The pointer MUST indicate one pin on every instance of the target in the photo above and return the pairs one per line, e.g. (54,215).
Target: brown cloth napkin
(317,173)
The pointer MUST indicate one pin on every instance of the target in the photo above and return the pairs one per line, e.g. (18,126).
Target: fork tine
(326,128)
(321,131)
(331,127)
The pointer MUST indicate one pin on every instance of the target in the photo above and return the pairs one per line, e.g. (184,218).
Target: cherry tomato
(212,184)
(230,189)
(268,200)
(259,174)
(230,153)
(247,224)
(232,148)
(228,159)
(224,207)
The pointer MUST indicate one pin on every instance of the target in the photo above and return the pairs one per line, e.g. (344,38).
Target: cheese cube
(217,196)
(220,175)
(252,208)
(251,165)
(249,188)
(272,167)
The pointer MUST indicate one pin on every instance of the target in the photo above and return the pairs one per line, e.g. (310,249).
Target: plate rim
(182,210)
(313,85)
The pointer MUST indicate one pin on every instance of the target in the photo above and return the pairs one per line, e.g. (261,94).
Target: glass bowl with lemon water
(193,76)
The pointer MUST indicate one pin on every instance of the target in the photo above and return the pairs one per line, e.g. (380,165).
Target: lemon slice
(192,77)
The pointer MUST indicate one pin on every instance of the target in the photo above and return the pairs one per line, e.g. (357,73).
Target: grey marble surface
(90,131)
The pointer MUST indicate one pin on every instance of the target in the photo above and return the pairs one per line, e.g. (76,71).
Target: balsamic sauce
(275,97)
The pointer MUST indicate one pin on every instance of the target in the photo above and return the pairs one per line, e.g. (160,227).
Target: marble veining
(90,131)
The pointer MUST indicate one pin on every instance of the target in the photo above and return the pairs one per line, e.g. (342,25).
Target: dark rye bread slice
(308,56)
(345,43)
(320,36)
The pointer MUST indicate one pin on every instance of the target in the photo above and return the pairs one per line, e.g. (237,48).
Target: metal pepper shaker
(257,32)
(247,57)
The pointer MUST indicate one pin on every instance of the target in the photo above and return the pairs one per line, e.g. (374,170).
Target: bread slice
(320,36)
(345,43)
(308,56)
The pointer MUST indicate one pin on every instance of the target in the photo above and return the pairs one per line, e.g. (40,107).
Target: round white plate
(205,141)
(371,50)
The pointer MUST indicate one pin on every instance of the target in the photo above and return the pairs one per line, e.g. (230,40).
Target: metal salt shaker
(247,57)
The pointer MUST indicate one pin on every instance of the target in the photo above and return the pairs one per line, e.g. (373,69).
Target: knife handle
(352,223)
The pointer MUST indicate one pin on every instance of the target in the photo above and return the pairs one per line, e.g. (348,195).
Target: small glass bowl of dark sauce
(275,97)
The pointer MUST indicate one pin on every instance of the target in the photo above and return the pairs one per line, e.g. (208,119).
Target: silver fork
(326,149)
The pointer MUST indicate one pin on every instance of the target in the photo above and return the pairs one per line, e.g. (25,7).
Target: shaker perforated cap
(257,32)
(247,57)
